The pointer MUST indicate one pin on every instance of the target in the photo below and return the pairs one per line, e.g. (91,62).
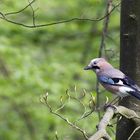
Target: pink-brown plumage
(113,79)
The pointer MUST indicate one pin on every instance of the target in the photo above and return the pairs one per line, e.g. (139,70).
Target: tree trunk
(130,63)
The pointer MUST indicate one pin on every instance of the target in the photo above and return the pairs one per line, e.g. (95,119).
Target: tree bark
(130,63)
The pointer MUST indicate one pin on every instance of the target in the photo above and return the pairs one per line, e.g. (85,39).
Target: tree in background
(130,63)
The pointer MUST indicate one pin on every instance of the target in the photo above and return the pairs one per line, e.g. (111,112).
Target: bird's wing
(115,77)
(126,81)
(111,80)
(125,85)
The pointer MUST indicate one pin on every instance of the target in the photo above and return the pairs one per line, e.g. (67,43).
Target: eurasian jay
(113,79)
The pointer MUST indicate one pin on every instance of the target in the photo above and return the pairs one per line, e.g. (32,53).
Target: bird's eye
(95,63)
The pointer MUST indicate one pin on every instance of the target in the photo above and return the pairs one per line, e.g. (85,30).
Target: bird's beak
(88,68)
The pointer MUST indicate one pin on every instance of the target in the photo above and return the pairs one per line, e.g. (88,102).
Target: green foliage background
(50,59)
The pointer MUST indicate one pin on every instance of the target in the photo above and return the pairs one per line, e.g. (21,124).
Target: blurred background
(51,59)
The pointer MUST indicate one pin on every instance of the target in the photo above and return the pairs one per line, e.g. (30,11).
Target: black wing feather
(135,94)
(129,82)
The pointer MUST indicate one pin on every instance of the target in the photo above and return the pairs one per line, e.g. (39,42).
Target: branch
(4,17)
(21,10)
(45,101)
(101,133)
(110,112)
(127,113)
(33,13)
(105,28)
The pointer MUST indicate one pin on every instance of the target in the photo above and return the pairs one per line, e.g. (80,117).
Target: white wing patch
(120,82)
(125,89)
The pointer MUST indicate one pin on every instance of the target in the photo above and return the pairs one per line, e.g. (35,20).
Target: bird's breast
(119,90)
(111,88)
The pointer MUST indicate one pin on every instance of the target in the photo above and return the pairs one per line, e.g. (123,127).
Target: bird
(112,79)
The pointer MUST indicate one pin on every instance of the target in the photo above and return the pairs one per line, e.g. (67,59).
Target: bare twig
(62,105)
(136,129)
(56,136)
(33,13)
(105,28)
(21,10)
(45,101)
(4,17)
(102,44)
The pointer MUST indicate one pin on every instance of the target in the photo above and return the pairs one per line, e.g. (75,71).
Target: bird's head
(97,65)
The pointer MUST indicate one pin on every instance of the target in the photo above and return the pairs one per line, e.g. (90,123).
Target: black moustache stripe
(96,67)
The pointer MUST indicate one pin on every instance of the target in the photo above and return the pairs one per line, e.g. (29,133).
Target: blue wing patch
(106,80)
